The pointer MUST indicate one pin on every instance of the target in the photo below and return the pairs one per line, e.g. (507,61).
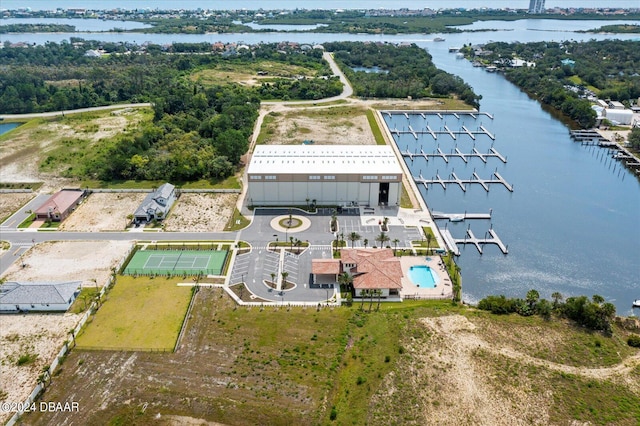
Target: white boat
(438,39)
(636,303)
(456,218)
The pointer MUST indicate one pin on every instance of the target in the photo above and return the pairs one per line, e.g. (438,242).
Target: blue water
(422,276)
(6,127)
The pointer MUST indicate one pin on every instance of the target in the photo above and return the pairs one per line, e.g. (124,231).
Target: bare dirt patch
(69,261)
(336,125)
(23,152)
(201,212)
(11,202)
(103,212)
(44,334)
(41,334)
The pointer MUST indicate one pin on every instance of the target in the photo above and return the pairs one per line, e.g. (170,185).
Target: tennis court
(186,262)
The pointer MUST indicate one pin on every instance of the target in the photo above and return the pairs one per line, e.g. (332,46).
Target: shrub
(634,341)
(497,305)
(26,359)
(360,380)
(334,413)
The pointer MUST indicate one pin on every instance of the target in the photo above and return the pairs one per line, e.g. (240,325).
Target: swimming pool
(423,276)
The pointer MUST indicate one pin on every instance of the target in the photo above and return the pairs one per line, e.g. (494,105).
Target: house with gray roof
(24,297)
(156,204)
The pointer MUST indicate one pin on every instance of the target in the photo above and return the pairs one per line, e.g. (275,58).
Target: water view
(572,221)
(7,127)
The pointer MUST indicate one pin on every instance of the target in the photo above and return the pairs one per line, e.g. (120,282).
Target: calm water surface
(6,127)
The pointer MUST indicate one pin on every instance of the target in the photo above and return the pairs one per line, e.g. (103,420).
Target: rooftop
(325,159)
(60,201)
(16,293)
(375,268)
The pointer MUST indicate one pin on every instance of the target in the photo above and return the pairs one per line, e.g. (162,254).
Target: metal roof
(324,159)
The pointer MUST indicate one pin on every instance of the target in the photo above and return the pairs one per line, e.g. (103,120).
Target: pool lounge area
(425,278)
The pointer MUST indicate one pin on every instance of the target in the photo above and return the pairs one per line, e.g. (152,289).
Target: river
(572,222)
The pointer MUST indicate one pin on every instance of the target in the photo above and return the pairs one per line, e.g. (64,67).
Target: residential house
(371,269)
(60,205)
(156,204)
(23,297)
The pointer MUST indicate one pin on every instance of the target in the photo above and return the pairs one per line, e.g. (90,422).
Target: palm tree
(298,243)
(284,274)
(385,223)
(363,293)
(73,336)
(365,242)
(557,297)
(379,294)
(395,245)
(353,237)
(273,278)
(429,238)
(345,279)
(371,294)
(383,238)
(291,239)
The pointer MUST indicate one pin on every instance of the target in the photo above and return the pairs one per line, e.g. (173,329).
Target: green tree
(353,237)
(365,242)
(634,138)
(557,298)
(383,238)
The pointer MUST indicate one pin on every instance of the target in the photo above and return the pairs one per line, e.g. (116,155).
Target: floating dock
(456,153)
(454,179)
(470,238)
(463,216)
(444,131)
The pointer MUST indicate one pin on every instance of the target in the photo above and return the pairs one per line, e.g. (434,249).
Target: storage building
(343,175)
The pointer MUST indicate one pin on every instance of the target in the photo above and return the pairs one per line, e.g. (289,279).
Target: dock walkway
(454,179)
(438,153)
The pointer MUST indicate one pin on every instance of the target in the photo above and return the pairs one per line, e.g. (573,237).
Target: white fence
(65,348)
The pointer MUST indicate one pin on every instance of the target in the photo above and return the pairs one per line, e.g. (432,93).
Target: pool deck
(443,289)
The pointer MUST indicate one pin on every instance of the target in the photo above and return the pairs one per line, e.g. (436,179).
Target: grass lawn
(138,313)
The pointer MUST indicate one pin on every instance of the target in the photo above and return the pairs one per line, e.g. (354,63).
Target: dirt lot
(11,202)
(45,334)
(103,211)
(201,212)
(332,125)
(69,261)
(40,334)
(22,154)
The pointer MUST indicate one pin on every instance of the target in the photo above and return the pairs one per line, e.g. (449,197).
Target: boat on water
(438,39)
(453,49)
(456,218)
(636,303)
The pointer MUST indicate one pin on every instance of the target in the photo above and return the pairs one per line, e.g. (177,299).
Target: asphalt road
(252,268)
(74,111)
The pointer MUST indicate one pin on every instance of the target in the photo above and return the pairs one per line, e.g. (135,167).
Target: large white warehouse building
(343,175)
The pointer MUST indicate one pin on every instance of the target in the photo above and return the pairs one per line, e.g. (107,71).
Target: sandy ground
(11,202)
(454,381)
(40,334)
(21,155)
(296,125)
(45,334)
(103,212)
(201,212)
(69,261)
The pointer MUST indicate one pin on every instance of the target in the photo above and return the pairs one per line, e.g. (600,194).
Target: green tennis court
(187,262)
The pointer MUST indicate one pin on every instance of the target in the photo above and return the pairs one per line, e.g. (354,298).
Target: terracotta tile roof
(61,201)
(375,268)
(325,266)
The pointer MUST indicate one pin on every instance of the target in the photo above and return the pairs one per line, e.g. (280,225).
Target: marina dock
(460,216)
(445,130)
(593,138)
(456,153)
(470,238)
(454,179)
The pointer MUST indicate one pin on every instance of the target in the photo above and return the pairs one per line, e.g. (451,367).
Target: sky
(308,4)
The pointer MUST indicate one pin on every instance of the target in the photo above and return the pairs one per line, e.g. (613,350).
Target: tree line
(608,69)
(595,314)
(403,71)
